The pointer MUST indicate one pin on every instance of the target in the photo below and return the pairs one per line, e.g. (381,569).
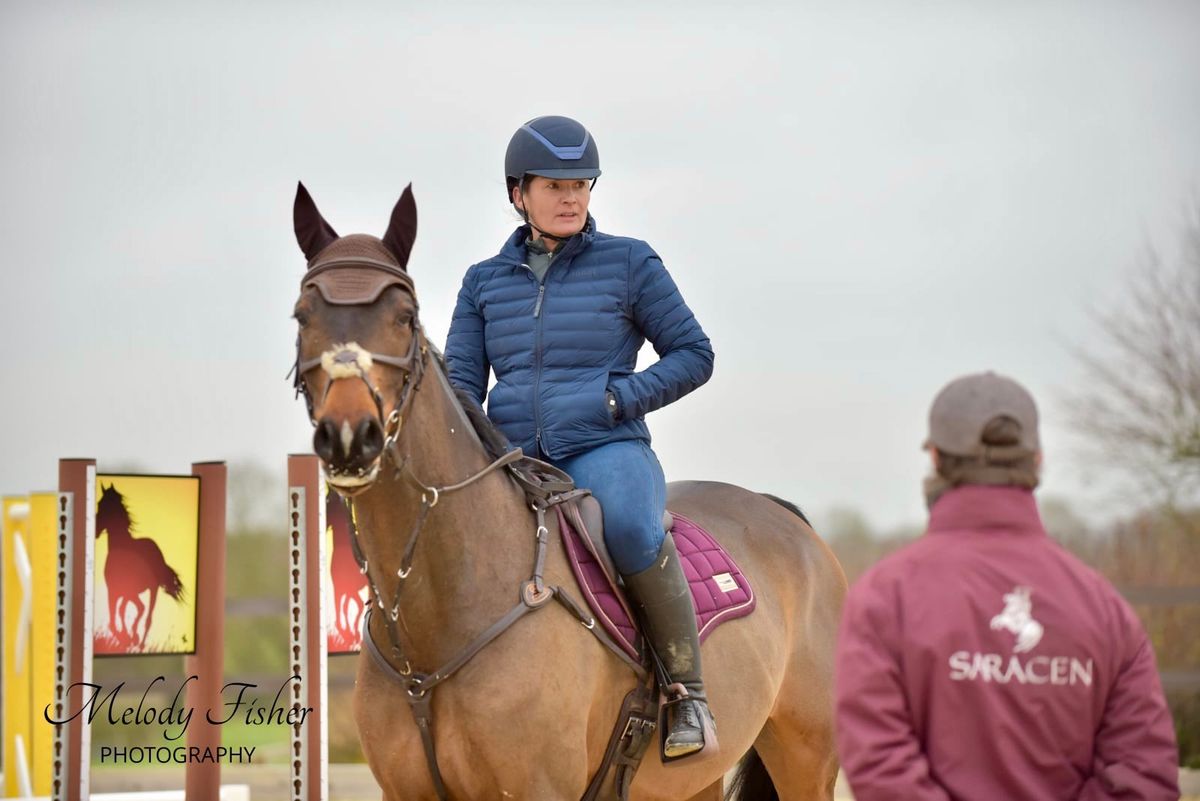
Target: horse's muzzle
(351,454)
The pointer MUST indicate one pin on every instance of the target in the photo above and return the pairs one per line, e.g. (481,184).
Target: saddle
(590,524)
(720,592)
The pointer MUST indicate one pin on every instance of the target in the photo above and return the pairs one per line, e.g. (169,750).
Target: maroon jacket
(985,662)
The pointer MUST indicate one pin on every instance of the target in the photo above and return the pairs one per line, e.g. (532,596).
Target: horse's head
(1018,603)
(110,511)
(361,351)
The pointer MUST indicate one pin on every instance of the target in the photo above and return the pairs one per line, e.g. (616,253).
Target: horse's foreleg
(132,630)
(150,613)
(114,622)
(343,617)
(358,616)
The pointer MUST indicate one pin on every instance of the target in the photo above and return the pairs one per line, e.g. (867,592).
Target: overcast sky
(859,202)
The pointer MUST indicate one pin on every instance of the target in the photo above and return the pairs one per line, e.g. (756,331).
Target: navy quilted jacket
(557,346)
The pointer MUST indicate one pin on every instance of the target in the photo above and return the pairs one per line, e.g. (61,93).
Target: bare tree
(1141,400)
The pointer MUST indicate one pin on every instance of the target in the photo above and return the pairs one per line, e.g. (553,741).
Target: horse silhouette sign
(347,582)
(147,539)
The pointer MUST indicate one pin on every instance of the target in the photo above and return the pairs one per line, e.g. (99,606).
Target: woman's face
(558,206)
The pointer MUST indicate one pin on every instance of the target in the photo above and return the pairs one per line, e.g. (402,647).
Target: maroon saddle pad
(720,591)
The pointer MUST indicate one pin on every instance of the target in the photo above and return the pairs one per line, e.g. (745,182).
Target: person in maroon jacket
(984,661)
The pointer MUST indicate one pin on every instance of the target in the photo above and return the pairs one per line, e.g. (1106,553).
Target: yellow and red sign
(28,667)
(147,541)
(346,585)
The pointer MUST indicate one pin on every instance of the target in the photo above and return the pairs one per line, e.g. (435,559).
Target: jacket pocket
(585,412)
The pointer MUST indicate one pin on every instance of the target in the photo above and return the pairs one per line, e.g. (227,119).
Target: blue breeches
(628,481)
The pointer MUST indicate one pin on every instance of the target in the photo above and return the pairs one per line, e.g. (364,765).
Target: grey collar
(537,246)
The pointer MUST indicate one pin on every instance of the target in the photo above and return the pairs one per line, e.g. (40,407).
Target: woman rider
(560,314)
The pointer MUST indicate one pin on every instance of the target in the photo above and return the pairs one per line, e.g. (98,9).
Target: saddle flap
(586,517)
(589,518)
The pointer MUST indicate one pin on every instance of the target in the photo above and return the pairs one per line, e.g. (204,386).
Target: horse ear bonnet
(365,265)
(365,268)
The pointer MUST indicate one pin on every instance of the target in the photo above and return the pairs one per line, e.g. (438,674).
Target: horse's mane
(493,439)
(111,513)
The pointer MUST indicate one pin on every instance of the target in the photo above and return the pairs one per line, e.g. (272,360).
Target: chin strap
(528,221)
(543,234)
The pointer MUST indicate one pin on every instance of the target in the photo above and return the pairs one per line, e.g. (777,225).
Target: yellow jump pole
(43,548)
(18,585)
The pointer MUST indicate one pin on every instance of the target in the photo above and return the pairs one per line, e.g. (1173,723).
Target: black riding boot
(665,602)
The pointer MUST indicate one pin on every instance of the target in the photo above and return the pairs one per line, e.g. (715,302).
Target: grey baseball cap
(966,405)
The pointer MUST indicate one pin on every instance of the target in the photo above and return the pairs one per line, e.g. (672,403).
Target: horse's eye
(302,319)
(403,319)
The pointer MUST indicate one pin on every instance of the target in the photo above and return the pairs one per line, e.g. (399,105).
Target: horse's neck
(118,536)
(474,548)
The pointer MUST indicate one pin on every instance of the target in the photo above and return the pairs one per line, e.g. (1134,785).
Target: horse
(134,565)
(348,581)
(447,538)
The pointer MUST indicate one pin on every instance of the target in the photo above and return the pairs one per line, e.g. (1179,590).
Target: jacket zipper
(537,383)
(537,364)
(537,351)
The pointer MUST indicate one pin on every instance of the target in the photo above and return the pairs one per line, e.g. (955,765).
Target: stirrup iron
(679,696)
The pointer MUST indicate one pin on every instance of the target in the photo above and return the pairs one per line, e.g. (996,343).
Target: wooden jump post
(74,568)
(73,576)
(203,781)
(307,612)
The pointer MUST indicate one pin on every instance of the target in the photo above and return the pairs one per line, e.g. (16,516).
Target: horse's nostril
(324,439)
(370,436)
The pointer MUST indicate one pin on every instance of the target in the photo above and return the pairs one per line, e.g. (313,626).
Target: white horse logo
(1018,619)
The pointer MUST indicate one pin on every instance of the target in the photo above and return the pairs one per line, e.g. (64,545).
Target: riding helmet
(552,147)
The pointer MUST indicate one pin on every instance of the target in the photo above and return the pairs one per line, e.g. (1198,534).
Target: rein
(429,499)
(545,487)
(534,593)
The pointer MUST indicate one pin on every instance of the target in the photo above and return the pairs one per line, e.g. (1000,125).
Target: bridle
(545,488)
(351,360)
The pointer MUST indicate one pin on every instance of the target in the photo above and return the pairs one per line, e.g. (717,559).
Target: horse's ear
(402,229)
(312,232)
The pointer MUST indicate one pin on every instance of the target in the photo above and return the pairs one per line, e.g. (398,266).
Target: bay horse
(527,713)
(134,565)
